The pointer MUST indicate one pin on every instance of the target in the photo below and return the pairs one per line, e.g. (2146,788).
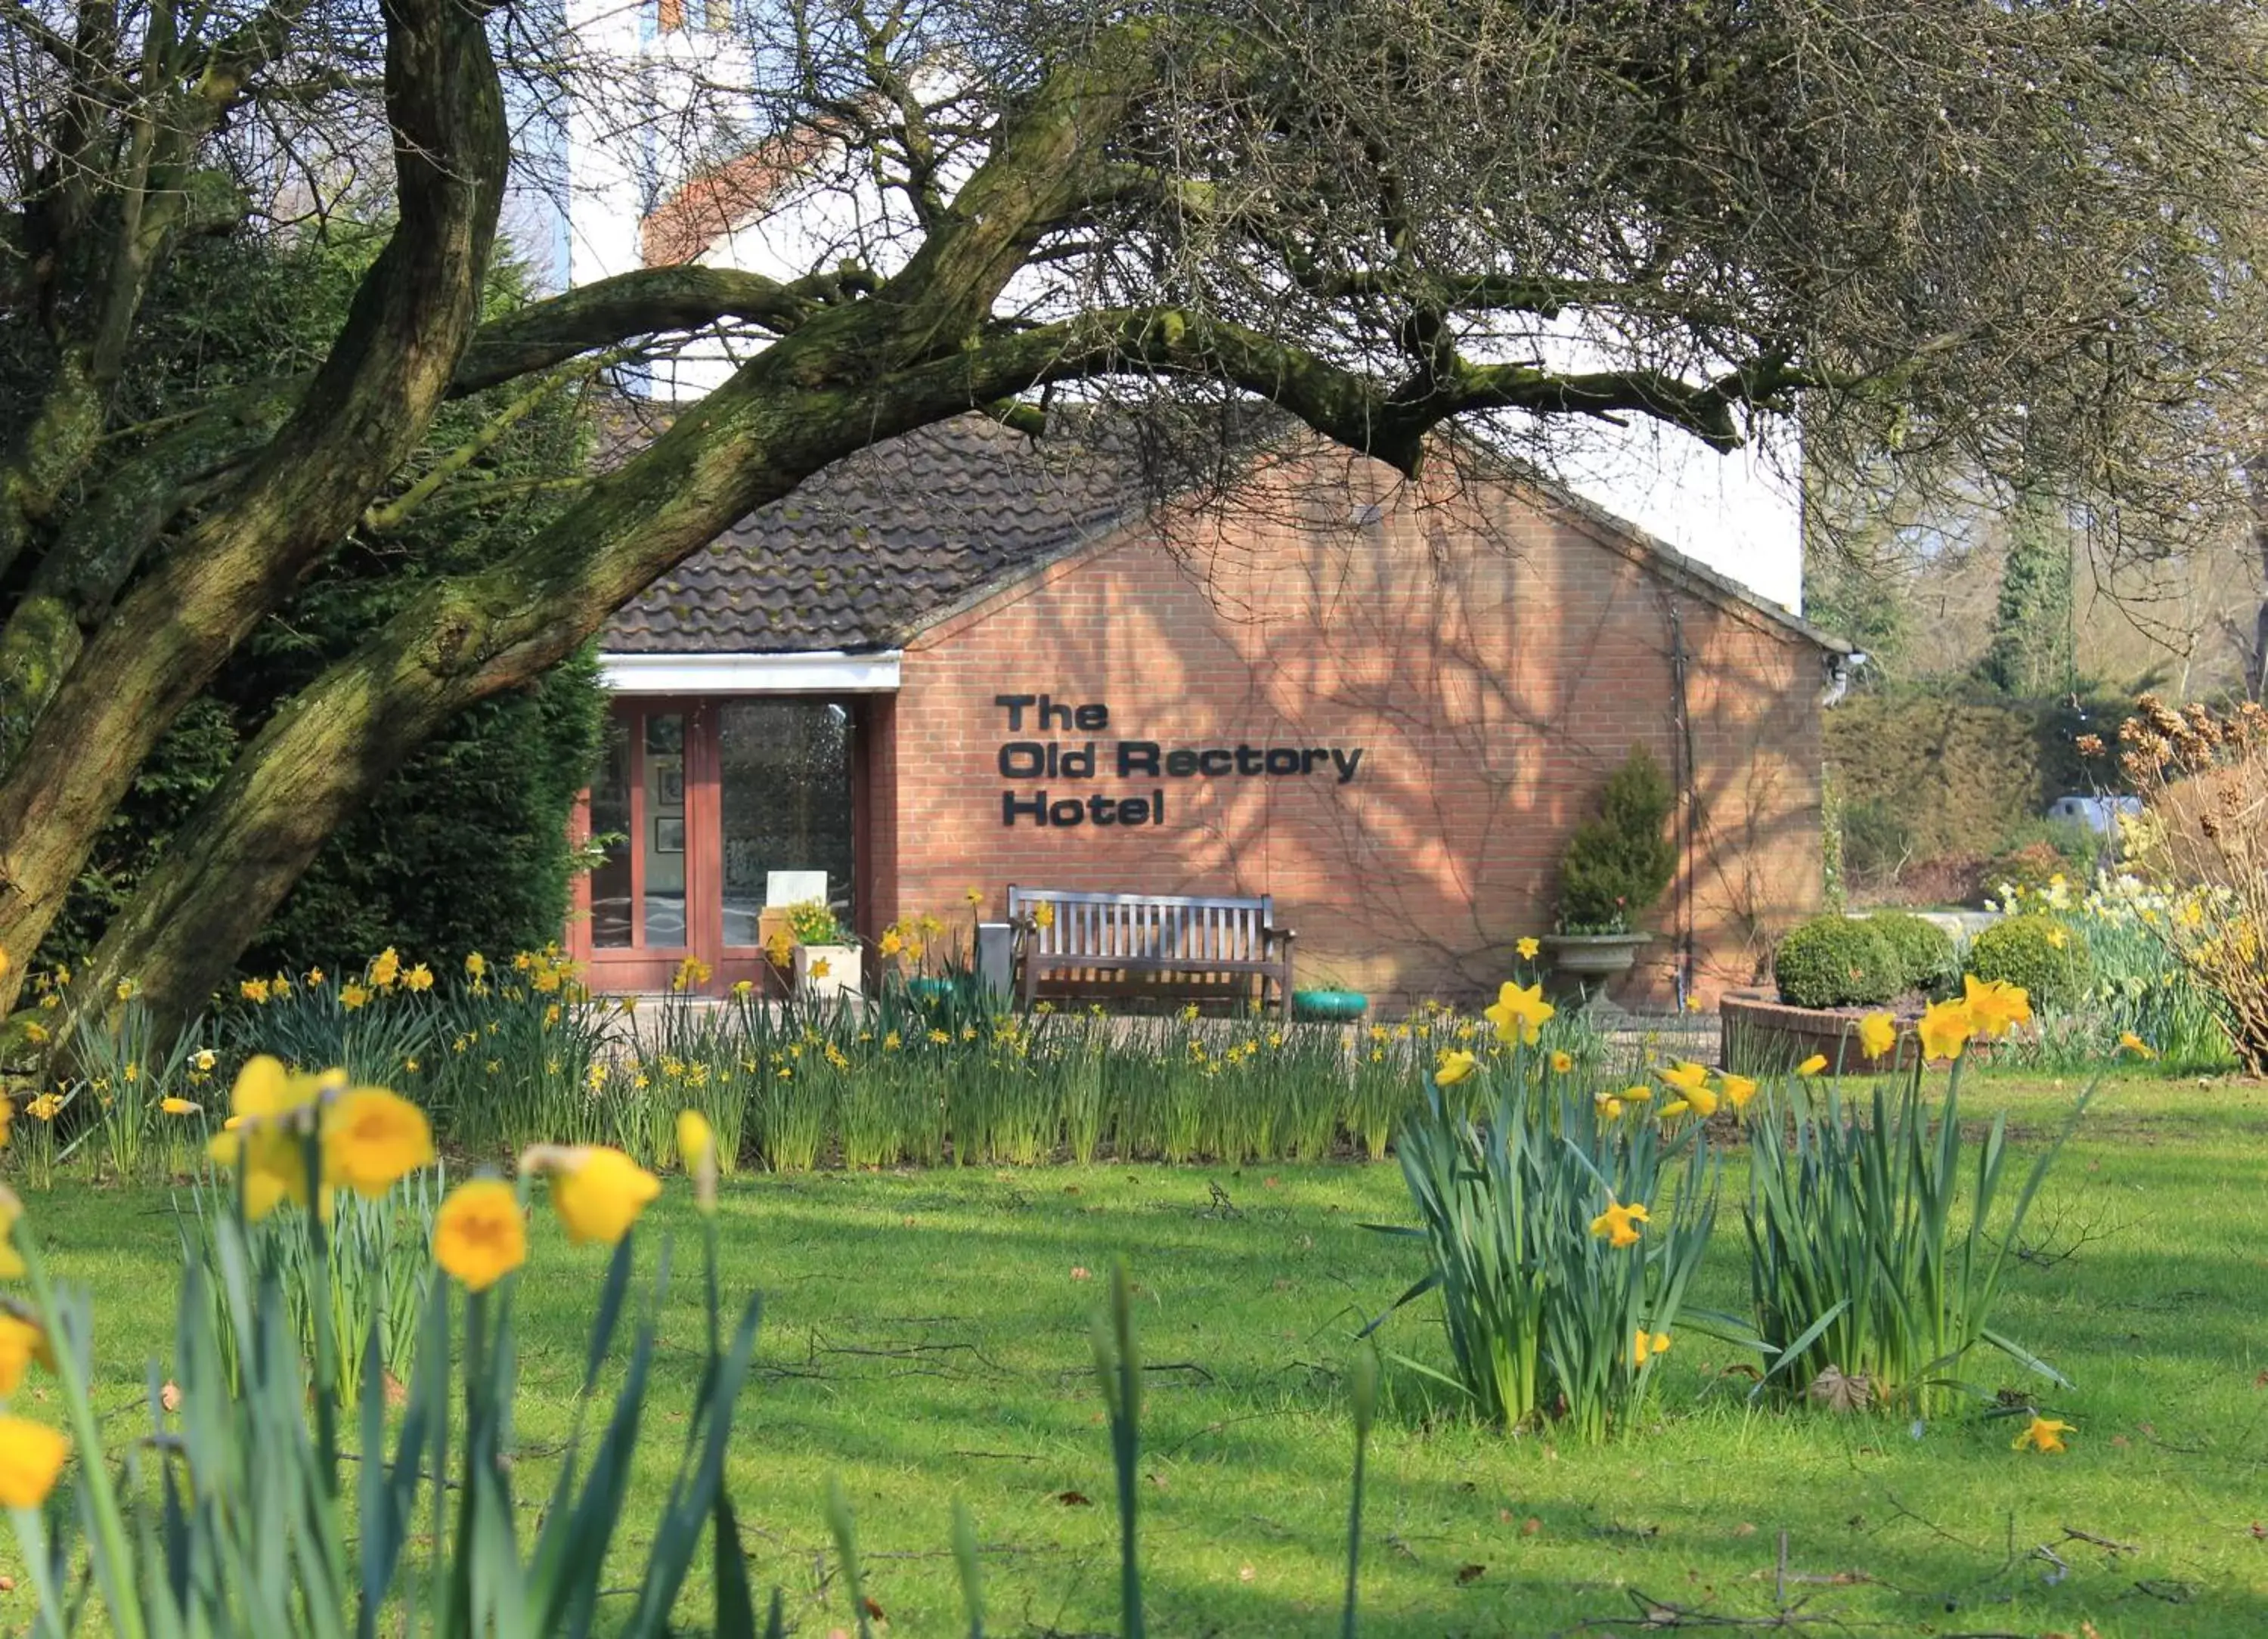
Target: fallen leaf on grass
(1532,1526)
(1470,1573)
(1074,1499)
(170,1395)
(1079,1272)
(1839,1391)
(875,1611)
(1245,1573)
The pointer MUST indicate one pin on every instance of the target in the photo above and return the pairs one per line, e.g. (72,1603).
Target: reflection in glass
(783,803)
(665,830)
(610,827)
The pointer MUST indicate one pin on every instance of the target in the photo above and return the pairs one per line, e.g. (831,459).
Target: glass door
(783,811)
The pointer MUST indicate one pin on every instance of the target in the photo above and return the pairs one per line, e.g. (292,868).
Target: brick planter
(1763,1024)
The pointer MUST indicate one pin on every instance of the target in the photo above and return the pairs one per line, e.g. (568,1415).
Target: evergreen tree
(2030,652)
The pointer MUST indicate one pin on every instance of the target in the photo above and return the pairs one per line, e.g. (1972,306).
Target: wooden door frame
(642,967)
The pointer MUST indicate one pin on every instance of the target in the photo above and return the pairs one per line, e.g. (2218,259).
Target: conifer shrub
(1620,862)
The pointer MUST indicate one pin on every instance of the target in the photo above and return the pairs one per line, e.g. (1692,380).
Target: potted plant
(1616,866)
(825,959)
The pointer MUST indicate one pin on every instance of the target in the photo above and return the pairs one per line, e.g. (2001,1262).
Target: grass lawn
(927,1335)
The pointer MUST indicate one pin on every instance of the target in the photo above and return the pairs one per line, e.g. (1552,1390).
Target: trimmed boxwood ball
(1834,961)
(2049,961)
(1927,961)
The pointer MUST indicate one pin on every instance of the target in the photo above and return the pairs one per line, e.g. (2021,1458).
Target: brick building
(961,661)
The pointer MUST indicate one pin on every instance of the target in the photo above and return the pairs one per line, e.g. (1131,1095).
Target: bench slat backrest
(1152,927)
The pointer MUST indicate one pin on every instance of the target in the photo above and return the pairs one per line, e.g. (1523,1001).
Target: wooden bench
(1187,947)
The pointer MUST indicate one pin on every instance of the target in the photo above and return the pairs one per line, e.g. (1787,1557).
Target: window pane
(610,828)
(664,923)
(784,802)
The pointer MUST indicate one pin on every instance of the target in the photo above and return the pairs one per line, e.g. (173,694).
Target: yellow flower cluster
(1618,1224)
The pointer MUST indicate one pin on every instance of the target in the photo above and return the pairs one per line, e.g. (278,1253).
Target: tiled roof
(861,551)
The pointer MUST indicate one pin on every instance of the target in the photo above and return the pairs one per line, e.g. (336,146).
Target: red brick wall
(1493,656)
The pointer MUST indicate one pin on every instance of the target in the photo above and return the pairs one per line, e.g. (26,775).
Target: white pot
(826,970)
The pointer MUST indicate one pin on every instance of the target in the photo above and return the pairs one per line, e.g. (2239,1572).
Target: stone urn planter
(1595,958)
(826,971)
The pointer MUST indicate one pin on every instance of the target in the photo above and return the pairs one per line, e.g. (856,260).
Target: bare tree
(2001,239)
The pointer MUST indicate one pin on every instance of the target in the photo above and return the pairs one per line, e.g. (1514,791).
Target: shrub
(2202,778)
(1927,961)
(1835,961)
(1617,864)
(2049,959)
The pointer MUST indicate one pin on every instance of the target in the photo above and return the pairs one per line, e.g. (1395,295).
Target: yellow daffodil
(177,1106)
(2044,1434)
(820,968)
(1878,1033)
(596,1192)
(1562,1061)
(1609,1108)
(314,978)
(479,1235)
(975,895)
(255,991)
(372,1139)
(2129,1043)
(21,1342)
(1454,1067)
(1738,1090)
(272,1111)
(36,1034)
(1672,1108)
(1813,1065)
(1638,1092)
(12,1210)
(352,996)
(385,969)
(418,978)
(32,1455)
(1646,1345)
(476,966)
(125,990)
(890,944)
(1995,1006)
(1617,1226)
(1946,1029)
(1043,915)
(1692,1003)
(205,1059)
(1685,1076)
(696,1138)
(1527,949)
(1520,1013)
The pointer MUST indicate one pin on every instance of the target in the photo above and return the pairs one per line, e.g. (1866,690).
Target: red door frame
(638,967)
